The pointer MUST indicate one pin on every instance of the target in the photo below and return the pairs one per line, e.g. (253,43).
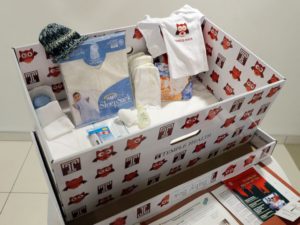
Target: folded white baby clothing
(183,39)
(147,85)
(53,121)
(58,127)
(49,113)
(133,56)
(141,60)
(150,29)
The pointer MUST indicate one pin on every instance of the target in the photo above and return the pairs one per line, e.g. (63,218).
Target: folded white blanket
(58,127)
(49,113)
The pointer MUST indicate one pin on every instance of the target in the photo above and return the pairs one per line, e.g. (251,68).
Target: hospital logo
(70,166)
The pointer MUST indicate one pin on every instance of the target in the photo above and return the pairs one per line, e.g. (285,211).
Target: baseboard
(15,136)
(287,139)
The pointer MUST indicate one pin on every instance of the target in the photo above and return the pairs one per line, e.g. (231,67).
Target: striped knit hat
(59,41)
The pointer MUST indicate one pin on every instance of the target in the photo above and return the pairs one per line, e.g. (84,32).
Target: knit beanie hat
(59,41)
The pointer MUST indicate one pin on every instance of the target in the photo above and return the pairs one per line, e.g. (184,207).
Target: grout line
(39,193)
(1,210)
(23,163)
(20,170)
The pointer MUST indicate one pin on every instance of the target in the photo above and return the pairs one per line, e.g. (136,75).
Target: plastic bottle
(143,117)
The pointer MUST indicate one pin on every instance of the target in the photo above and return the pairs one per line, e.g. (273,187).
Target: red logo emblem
(135,142)
(190,121)
(27,55)
(182,29)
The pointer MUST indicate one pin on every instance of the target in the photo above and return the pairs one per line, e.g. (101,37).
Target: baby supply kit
(118,112)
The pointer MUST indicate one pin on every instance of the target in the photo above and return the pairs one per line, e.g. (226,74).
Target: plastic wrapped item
(97,80)
(173,89)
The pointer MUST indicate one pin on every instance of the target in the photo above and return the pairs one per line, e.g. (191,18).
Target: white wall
(270,28)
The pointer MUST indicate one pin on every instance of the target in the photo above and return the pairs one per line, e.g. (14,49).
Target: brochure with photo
(202,210)
(257,193)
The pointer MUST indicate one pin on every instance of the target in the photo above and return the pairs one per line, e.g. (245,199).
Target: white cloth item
(58,127)
(182,40)
(49,113)
(188,10)
(147,85)
(141,60)
(42,90)
(150,29)
(128,117)
(133,56)
(185,45)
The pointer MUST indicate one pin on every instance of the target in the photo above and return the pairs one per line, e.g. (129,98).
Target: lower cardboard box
(146,203)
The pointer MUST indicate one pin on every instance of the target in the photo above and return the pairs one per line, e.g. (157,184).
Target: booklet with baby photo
(96,79)
(202,210)
(257,193)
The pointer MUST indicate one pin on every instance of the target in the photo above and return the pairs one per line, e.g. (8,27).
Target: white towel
(49,113)
(58,127)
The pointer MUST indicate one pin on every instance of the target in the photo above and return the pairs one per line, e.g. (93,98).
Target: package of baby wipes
(97,80)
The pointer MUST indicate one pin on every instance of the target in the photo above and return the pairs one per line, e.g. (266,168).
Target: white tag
(291,211)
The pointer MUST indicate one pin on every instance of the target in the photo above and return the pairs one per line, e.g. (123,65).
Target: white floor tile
(12,156)
(25,209)
(31,178)
(287,163)
(3,197)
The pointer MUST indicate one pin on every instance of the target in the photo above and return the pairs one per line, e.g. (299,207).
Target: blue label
(118,96)
(93,51)
(187,92)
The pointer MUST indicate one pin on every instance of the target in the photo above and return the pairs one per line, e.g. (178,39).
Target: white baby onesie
(183,39)
(150,29)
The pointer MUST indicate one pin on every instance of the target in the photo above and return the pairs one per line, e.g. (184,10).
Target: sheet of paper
(235,206)
(202,210)
(290,211)
(291,196)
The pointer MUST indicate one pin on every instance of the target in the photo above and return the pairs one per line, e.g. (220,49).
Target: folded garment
(49,113)
(141,60)
(133,56)
(58,127)
(183,39)
(147,85)
(150,29)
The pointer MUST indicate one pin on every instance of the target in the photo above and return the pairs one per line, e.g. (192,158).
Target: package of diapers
(97,80)
(173,89)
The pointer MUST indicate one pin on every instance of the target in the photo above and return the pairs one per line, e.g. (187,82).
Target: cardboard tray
(244,85)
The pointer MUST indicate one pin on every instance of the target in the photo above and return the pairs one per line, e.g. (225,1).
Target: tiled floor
(23,192)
